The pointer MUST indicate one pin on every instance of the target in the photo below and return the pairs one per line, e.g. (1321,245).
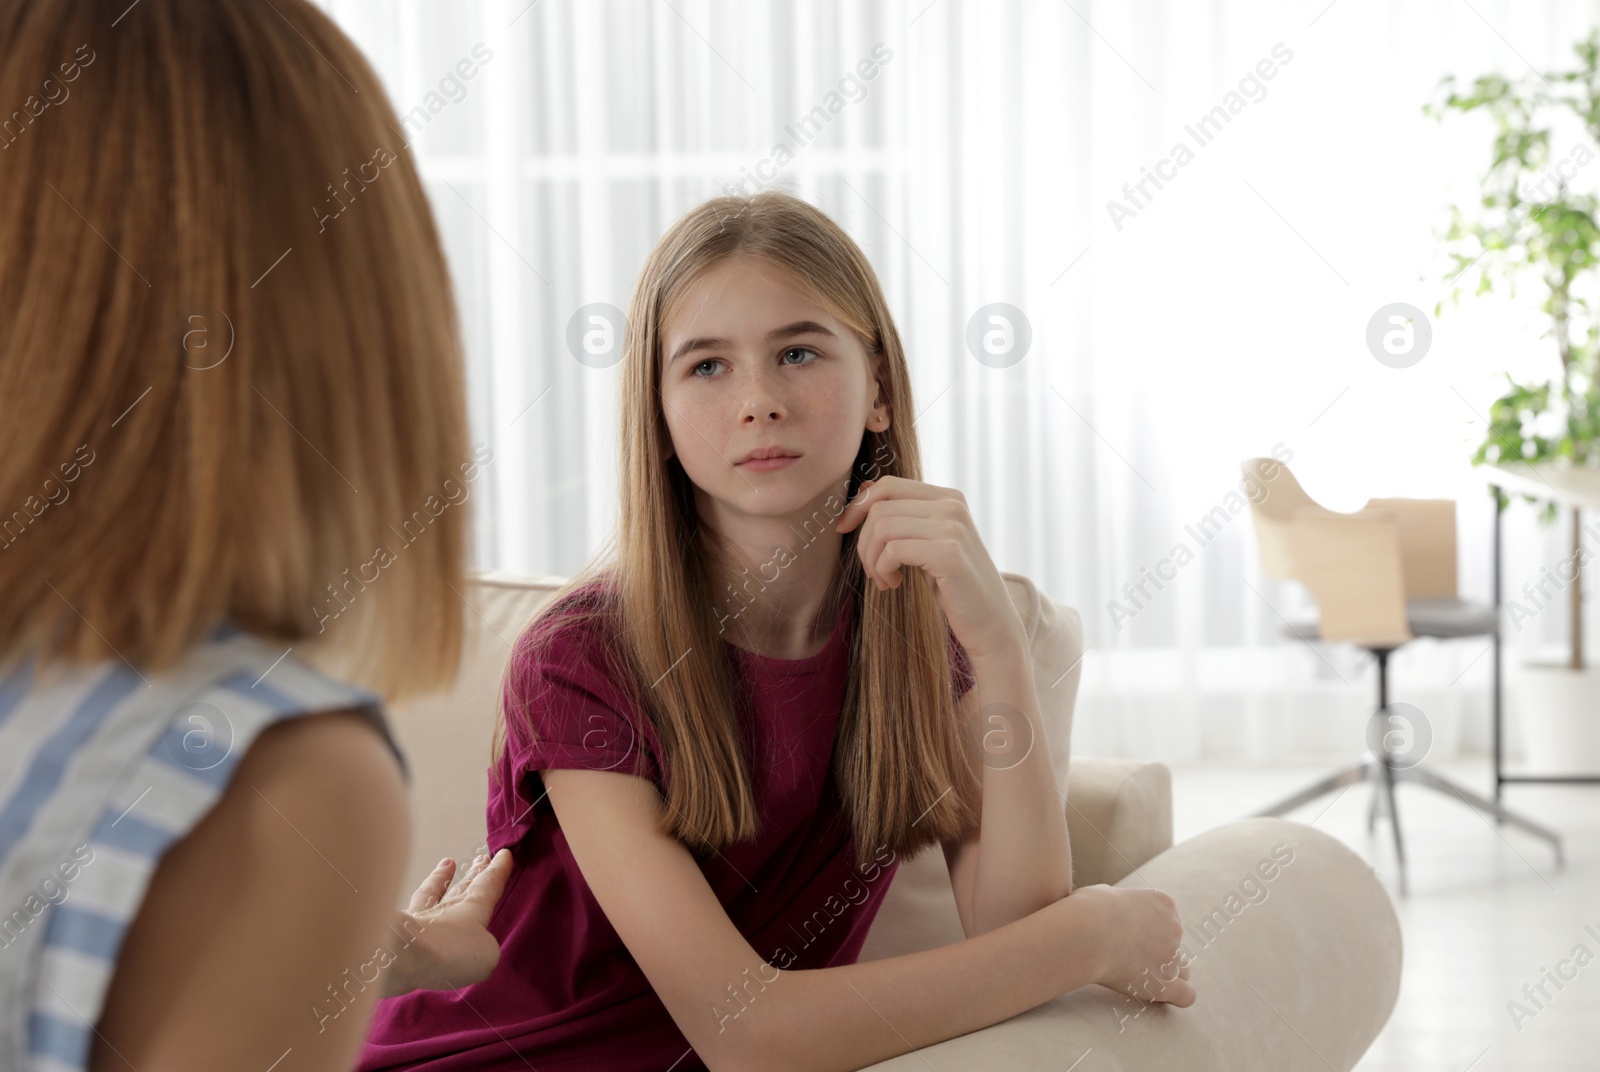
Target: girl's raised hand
(911,523)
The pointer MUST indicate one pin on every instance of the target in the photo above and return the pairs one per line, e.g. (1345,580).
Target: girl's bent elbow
(760,1039)
(771,1060)
(751,1052)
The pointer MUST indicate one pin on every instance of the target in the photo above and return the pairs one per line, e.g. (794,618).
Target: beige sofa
(1297,958)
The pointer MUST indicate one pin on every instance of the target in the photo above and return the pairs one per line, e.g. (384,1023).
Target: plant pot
(1555,712)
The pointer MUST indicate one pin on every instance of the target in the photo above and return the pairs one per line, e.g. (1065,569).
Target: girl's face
(751,362)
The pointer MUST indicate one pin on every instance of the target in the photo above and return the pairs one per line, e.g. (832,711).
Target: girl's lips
(763,464)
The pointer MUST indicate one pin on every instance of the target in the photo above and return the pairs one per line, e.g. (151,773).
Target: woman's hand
(1142,953)
(910,523)
(453,946)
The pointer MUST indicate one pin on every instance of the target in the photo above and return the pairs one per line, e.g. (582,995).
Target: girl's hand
(453,946)
(910,523)
(1142,953)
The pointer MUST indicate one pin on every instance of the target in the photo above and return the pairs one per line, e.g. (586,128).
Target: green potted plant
(1531,222)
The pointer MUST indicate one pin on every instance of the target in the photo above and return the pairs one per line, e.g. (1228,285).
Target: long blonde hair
(229,371)
(899,750)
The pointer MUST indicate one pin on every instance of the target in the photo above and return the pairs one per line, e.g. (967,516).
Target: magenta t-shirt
(566,993)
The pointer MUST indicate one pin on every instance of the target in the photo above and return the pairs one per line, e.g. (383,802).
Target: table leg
(1499,770)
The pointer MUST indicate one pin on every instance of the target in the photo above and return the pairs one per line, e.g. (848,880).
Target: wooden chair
(1381,577)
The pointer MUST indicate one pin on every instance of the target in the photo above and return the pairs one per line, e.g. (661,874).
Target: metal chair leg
(1374,804)
(1394,820)
(1350,775)
(1438,782)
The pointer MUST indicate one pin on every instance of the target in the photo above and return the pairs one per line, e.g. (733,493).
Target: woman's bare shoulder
(257,931)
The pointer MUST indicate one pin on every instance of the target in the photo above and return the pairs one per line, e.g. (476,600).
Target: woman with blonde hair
(722,736)
(230,391)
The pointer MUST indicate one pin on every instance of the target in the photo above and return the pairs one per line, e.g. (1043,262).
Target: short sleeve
(567,711)
(563,710)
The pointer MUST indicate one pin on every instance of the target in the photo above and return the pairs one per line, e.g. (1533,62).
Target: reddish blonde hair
(215,174)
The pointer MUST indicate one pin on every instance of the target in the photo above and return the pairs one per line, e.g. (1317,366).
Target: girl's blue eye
(695,371)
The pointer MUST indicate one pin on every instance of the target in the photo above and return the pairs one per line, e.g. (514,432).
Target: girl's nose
(761,403)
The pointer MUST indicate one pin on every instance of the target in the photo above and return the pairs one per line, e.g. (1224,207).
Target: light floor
(1487,911)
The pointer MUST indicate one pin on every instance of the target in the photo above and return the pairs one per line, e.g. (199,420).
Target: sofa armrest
(1119,816)
(1295,957)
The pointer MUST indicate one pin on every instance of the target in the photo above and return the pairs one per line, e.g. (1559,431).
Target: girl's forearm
(1024,861)
(851,1016)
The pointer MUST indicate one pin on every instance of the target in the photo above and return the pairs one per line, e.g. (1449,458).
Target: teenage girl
(721,737)
(212,411)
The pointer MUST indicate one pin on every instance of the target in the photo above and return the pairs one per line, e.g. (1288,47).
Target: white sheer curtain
(1222,316)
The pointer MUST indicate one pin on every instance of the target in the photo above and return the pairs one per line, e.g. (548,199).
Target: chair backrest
(1426,528)
(1275,497)
(447,736)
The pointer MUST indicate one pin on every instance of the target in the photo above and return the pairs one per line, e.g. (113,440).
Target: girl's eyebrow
(799,327)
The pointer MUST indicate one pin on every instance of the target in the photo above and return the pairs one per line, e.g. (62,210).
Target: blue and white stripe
(106,768)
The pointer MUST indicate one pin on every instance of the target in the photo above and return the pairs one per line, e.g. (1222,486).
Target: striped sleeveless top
(102,769)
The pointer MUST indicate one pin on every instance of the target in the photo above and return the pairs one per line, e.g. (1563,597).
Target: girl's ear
(880,417)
